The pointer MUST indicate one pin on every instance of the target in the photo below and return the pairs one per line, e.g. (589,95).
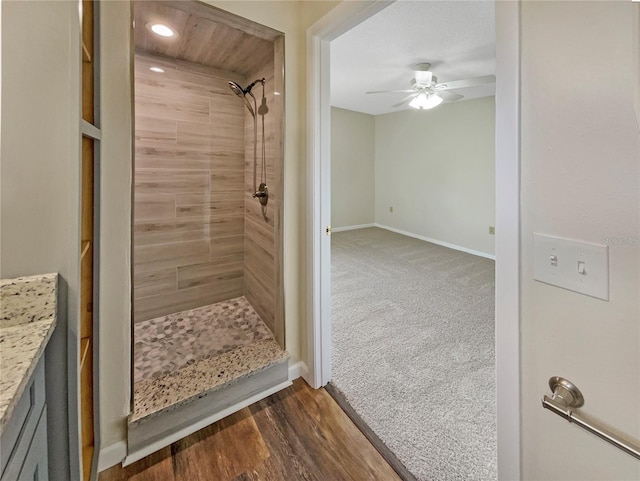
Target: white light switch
(578,266)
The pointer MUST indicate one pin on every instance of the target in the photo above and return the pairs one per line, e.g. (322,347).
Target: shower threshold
(179,359)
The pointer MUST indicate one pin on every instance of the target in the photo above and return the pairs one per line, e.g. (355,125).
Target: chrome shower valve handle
(262,194)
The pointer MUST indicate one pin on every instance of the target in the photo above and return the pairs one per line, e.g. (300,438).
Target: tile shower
(206,253)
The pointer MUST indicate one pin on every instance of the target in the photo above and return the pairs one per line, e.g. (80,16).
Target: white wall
(292,18)
(40,206)
(436,168)
(352,168)
(580,179)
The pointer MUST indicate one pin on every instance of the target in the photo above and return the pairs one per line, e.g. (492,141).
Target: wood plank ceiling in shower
(206,36)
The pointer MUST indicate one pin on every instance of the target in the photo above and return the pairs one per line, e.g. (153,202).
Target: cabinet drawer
(17,434)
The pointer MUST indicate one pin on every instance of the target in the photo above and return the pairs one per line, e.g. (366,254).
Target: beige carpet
(413,350)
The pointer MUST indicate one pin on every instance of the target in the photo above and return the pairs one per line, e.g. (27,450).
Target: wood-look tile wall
(262,227)
(189,181)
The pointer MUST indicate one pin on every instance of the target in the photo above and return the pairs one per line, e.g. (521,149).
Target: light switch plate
(558,262)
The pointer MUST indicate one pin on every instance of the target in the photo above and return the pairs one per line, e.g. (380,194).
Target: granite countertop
(27,319)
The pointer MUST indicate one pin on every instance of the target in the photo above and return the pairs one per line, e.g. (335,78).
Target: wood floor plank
(335,439)
(297,434)
(290,458)
(274,469)
(222,451)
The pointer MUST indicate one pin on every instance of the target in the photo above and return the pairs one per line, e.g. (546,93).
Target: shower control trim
(262,194)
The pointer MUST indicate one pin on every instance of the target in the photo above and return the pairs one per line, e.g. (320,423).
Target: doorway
(412,293)
(330,27)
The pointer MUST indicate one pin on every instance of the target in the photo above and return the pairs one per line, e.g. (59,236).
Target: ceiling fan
(427,93)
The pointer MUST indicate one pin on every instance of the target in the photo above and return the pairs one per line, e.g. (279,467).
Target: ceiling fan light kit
(426,93)
(424,101)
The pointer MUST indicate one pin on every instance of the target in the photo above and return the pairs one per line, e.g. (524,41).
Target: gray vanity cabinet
(23,445)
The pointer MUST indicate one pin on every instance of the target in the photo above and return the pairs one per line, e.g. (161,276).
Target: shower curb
(155,432)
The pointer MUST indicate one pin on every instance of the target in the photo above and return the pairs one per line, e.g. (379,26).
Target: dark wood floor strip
(373,438)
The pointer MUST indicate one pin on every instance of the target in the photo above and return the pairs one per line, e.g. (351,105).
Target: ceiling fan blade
(450,96)
(470,82)
(389,91)
(405,100)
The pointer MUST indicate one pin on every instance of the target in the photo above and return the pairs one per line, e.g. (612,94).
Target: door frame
(507,242)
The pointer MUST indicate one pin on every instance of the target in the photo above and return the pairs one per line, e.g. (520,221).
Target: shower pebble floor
(169,343)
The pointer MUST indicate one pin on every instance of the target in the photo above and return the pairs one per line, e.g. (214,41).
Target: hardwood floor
(297,434)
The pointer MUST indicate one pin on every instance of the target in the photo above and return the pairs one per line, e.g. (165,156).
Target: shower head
(242,93)
(236,89)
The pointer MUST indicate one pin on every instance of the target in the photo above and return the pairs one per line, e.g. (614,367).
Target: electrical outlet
(492,230)
(391,209)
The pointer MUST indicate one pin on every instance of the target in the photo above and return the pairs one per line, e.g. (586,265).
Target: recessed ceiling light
(156,69)
(162,30)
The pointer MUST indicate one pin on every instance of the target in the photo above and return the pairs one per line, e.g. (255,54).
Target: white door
(580,179)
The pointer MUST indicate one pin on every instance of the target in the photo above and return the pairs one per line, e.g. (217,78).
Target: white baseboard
(351,227)
(296,370)
(435,241)
(112,455)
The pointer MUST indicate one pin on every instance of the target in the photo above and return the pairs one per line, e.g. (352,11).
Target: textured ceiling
(457,38)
